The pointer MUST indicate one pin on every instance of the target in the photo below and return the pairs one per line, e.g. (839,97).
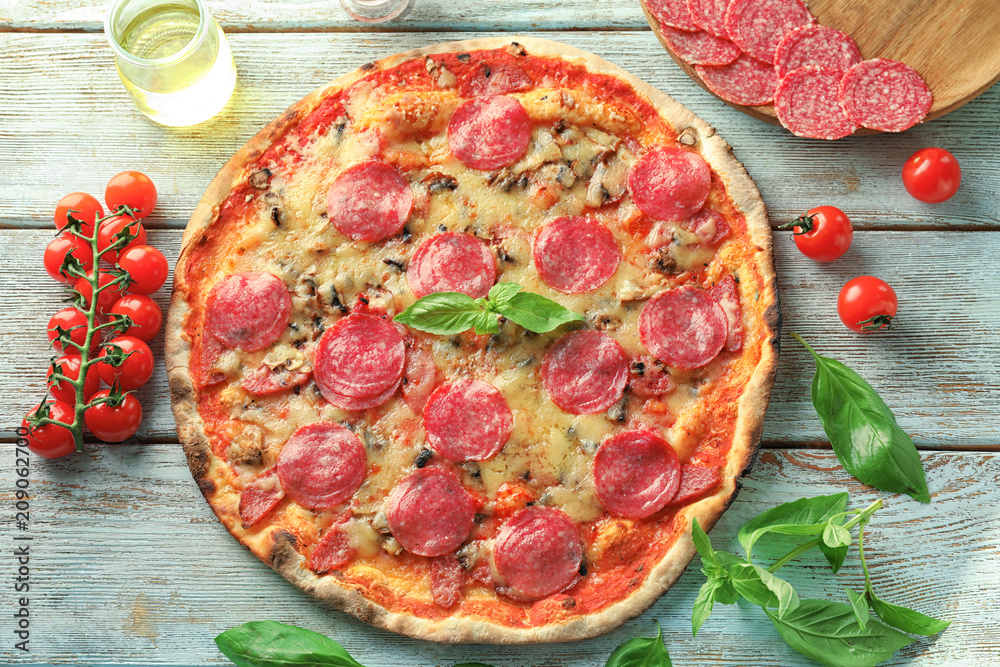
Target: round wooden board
(954,44)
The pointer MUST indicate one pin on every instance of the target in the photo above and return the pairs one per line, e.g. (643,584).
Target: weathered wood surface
(328,15)
(940,371)
(130,566)
(75,127)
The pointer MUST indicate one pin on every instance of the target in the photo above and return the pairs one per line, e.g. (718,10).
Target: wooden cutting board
(954,44)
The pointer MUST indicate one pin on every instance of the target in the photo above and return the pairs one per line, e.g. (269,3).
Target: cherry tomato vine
(90,285)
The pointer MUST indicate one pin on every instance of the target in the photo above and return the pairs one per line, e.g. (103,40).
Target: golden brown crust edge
(277,548)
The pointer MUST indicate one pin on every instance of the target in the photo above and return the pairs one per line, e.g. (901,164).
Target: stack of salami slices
(755,52)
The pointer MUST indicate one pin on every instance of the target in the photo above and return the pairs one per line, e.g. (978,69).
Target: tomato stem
(802,225)
(121,239)
(878,323)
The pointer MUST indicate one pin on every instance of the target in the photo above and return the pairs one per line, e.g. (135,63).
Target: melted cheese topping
(576,164)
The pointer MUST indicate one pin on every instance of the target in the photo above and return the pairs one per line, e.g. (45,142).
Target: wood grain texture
(328,15)
(939,372)
(130,566)
(952,44)
(74,127)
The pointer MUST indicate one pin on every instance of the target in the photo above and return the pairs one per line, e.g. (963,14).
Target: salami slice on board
(575,254)
(248,311)
(696,481)
(260,497)
(332,552)
(430,513)
(585,372)
(806,104)
(745,81)
(447,578)
(452,262)
(710,15)
(816,46)
(493,78)
(683,327)
(758,26)
(370,201)
(489,132)
(467,420)
(636,473)
(361,357)
(322,465)
(885,95)
(539,551)
(727,294)
(672,13)
(701,47)
(669,183)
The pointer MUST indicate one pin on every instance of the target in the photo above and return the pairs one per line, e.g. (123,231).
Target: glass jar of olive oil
(172,57)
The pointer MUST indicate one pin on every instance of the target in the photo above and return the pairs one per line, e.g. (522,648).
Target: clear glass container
(374,11)
(172,57)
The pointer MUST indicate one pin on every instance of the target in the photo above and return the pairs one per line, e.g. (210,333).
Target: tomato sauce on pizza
(510,487)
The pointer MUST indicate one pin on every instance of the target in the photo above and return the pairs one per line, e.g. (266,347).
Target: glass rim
(188,49)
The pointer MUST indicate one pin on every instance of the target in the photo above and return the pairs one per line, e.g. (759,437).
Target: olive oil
(177,67)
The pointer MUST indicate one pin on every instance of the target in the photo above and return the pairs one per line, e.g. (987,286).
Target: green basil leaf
(727,593)
(486,323)
(863,431)
(703,604)
(835,536)
(904,618)
(702,543)
(503,292)
(273,644)
(535,313)
(829,633)
(641,652)
(859,603)
(442,313)
(762,588)
(835,555)
(805,516)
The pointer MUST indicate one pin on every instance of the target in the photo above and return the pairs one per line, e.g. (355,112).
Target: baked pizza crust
(277,547)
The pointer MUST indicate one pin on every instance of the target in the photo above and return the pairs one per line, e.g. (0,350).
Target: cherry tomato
(51,441)
(137,368)
(145,314)
(867,304)
(146,266)
(62,245)
(105,299)
(85,208)
(112,226)
(133,189)
(822,234)
(69,365)
(72,320)
(114,423)
(932,175)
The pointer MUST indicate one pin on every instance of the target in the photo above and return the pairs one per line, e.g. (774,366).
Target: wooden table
(129,565)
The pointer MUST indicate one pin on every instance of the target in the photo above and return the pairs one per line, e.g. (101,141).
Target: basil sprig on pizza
(526,466)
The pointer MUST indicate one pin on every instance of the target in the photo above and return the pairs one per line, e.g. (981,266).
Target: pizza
(510,487)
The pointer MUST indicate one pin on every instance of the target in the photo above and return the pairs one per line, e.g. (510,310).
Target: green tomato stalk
(115,356)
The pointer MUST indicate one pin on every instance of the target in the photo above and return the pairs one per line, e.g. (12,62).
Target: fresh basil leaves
(863,431)
(641,652)
(831,633)
(447,313)
(273,644)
